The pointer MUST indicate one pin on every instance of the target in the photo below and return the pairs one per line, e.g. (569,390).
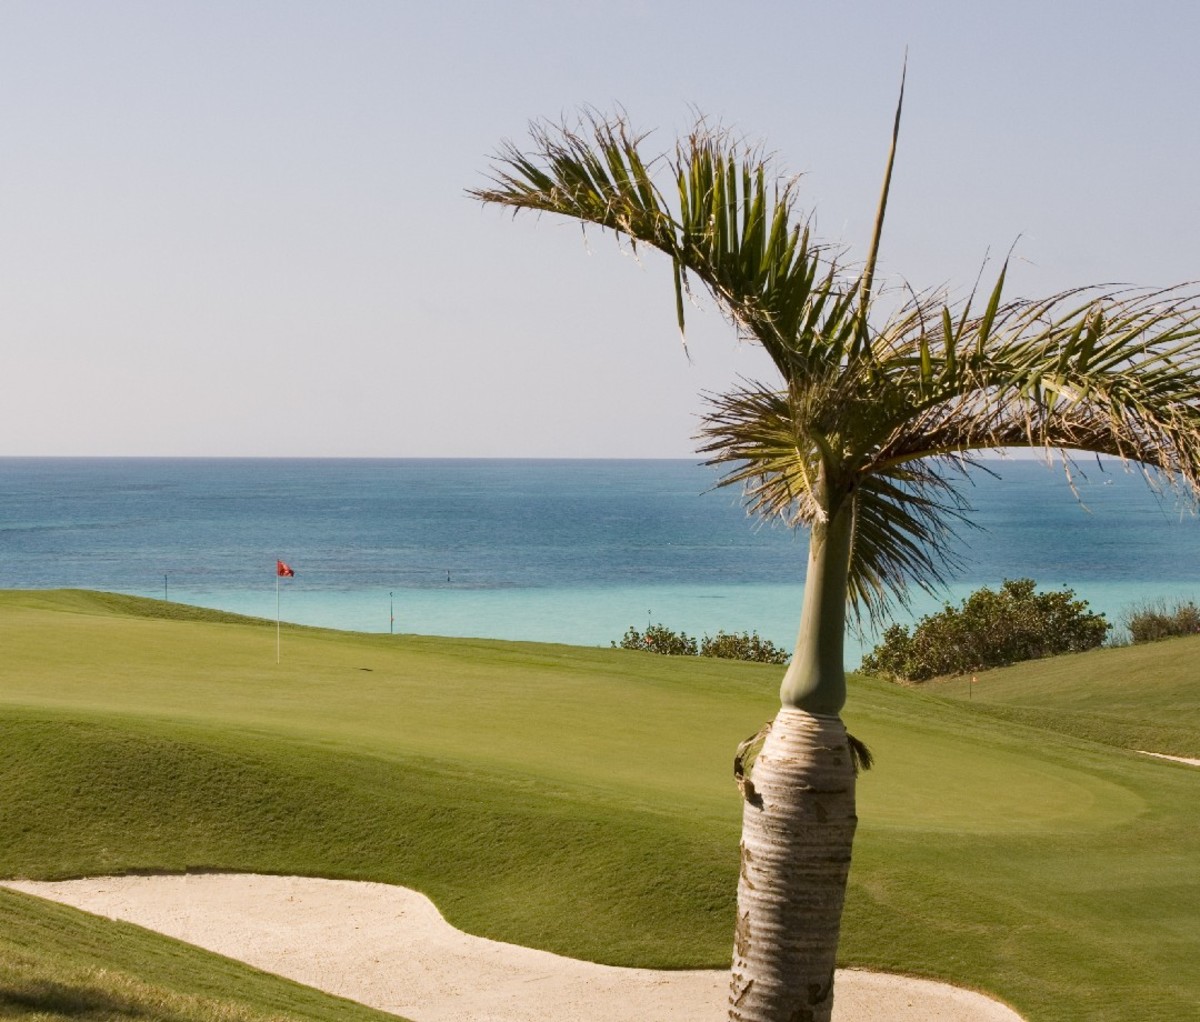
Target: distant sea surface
(555,551)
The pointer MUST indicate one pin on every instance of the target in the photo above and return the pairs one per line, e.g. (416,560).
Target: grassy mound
(57,963)
(1135,697)
(581,800)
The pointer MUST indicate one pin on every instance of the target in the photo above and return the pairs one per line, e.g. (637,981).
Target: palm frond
(904,518)
(1114,373)
(767,437)
(733,225)
(867,280)
(878,418)
(593,172)
(860,755)
(905,524)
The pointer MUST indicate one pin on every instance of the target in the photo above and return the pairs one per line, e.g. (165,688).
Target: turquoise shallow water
(560,551)
(594,617)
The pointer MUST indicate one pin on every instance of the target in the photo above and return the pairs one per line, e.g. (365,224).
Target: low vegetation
(724,645)
(743,646)
(1150,622)
(512,783)
(658,639)
(989,629)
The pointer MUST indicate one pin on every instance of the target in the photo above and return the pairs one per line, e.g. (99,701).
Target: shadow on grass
(46,1000)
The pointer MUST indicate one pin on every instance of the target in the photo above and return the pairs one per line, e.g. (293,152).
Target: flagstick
(277,616)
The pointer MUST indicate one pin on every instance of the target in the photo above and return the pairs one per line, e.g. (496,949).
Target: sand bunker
(389,947)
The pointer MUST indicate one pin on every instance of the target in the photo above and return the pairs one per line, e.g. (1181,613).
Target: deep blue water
(570,551)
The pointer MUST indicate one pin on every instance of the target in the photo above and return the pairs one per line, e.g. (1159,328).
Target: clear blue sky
(239,228)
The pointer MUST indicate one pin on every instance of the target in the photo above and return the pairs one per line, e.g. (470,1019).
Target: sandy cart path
(390,948)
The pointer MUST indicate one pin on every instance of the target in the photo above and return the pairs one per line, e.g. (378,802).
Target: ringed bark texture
(797,830)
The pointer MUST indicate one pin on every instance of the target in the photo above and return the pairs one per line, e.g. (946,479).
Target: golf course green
(581,801)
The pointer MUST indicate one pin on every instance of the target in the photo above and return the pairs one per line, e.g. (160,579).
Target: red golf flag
(282,570)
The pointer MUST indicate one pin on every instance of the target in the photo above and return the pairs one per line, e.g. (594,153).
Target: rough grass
(581,800)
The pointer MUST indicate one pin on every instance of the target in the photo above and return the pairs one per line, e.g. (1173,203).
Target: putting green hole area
(937,784)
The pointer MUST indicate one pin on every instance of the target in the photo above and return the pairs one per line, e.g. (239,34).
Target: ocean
(571,551)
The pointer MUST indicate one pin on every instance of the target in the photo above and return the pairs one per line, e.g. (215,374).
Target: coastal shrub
(1151,621)
(724,645)
(989,629)
(743,646)
(658,639)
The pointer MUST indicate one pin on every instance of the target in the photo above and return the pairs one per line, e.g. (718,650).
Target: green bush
(743,646)
(724,645)
(989,629)
(658,639)
(1149,622)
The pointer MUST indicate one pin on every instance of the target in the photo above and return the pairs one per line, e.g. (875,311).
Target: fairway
(581,800)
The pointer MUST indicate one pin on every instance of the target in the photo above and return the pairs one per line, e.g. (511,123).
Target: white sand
(1174,759)
(389,947)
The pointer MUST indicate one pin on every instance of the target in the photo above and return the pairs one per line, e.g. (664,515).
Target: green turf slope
(581,800)
(59,964)
(1134,697)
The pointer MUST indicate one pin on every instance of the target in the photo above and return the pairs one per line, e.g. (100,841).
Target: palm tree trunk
(797,830)
(799,817)
(816,677)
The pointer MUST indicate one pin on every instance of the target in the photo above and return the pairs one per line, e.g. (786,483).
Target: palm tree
(863,440)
